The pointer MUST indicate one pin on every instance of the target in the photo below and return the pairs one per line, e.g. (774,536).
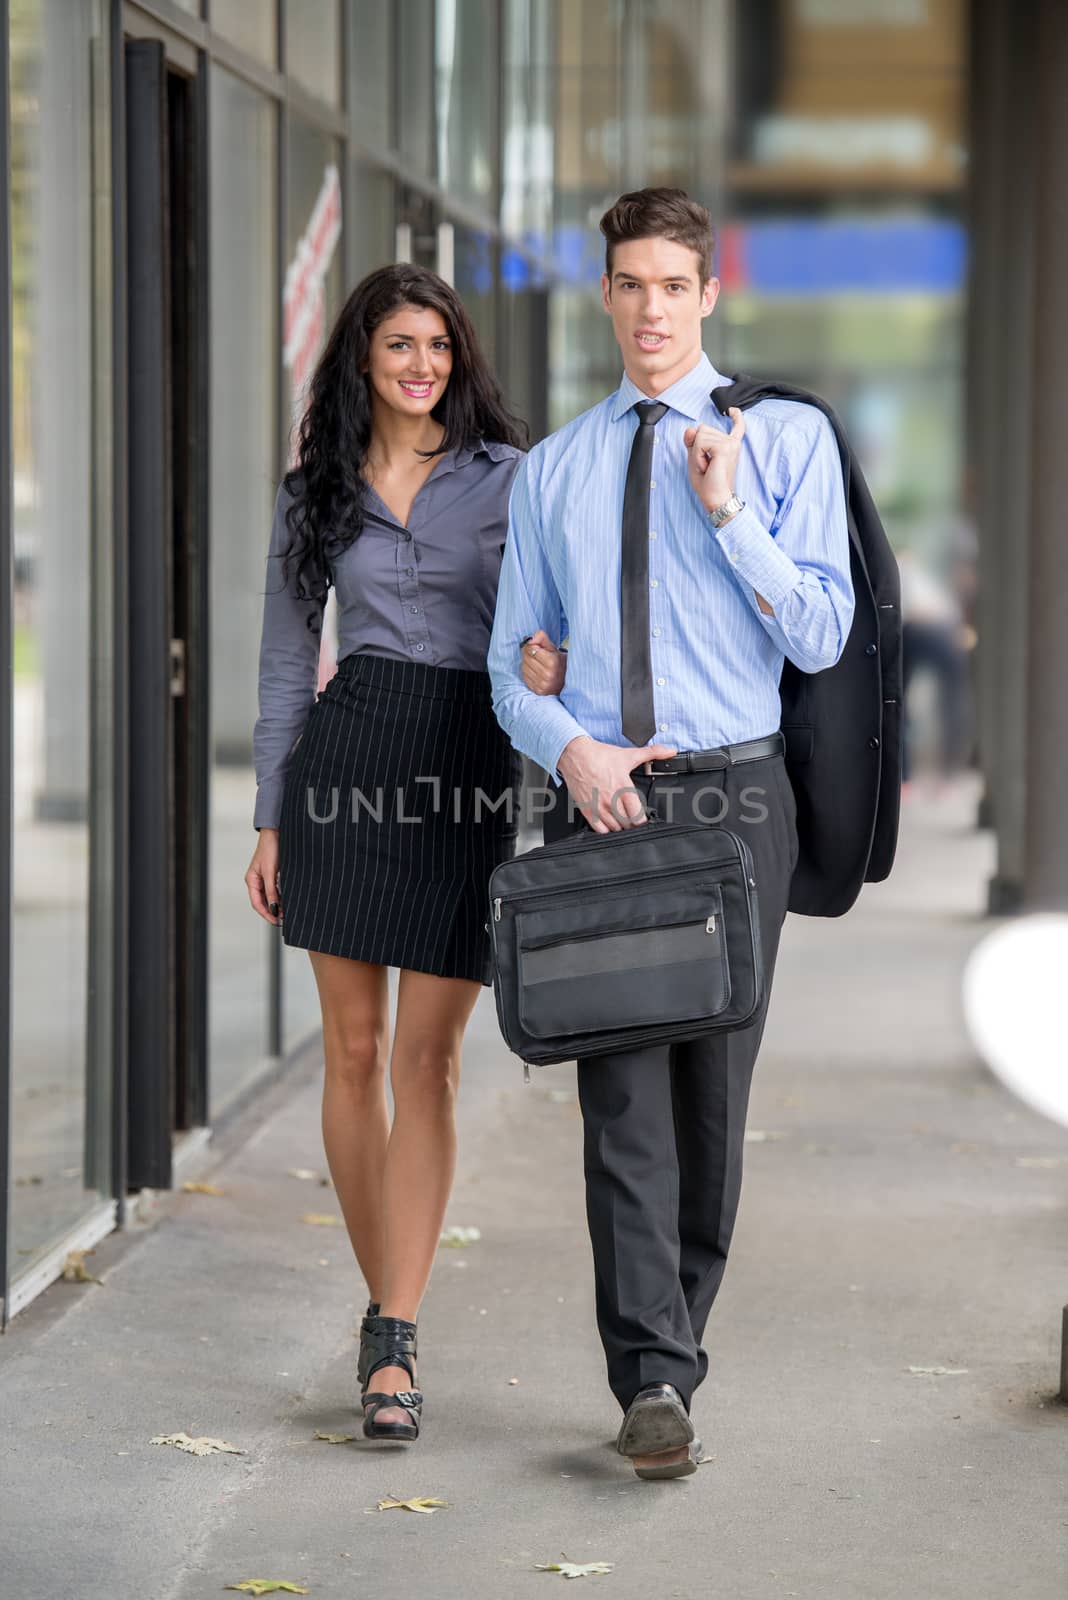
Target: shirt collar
(688,395)
(453,460)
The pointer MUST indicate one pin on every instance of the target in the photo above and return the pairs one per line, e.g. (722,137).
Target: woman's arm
(288,671)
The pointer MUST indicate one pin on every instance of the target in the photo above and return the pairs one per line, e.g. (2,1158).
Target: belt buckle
(665,769)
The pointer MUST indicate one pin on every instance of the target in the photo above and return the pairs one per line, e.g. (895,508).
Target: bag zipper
(533,895)
(613,933)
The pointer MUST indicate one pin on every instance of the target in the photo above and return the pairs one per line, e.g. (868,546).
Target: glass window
(415,84)
(526,208)
(677,141)
(250,24)
(244,477)
(313,47)
(589,128)
(370,98)
(475,277)
(369,223)
(60,1092)
(527,152)
(312,299)
(466,99)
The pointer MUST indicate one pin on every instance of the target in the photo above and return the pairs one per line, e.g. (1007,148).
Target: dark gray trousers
(664,1126)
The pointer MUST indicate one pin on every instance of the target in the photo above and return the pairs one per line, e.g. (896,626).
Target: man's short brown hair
(660,214)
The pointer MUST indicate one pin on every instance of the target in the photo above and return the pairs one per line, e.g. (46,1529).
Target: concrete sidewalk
(899,1211)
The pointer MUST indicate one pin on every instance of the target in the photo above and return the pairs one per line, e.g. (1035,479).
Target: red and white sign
(304,299)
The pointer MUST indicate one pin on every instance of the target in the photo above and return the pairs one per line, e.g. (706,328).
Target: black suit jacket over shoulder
(843,726)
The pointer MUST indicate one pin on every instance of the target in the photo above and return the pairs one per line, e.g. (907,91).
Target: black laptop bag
(605,942)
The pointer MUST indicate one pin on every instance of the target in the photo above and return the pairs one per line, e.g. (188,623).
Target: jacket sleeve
(288,674)
(801,565)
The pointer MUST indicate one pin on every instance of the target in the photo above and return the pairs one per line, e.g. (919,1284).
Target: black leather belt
(727,755)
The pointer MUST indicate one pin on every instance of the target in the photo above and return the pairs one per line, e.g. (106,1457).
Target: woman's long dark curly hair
(326,482)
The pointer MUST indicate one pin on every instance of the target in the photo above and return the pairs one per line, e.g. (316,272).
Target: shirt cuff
(268,812)
(756,558)
(553,730)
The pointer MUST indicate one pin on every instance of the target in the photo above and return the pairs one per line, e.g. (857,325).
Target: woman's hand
(543,666)
(261,879)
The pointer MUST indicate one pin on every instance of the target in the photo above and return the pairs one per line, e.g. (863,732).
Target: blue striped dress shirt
(716,657)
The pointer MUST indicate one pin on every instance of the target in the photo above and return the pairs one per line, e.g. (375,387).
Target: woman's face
(410,360)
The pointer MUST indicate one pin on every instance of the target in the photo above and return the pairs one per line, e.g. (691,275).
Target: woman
(384,804)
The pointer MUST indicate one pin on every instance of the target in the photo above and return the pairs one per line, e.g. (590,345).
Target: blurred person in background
(374,849)
(938,634)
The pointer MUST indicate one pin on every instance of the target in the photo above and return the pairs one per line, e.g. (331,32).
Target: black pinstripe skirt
(401,796)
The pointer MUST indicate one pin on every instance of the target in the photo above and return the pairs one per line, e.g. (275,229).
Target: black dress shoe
(675,1469)
(656,1420)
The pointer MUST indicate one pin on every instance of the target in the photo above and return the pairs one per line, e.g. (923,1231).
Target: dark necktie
(636,667)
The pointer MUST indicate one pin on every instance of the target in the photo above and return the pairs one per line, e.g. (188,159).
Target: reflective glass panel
(370,98)
(466,98)
(313,47)
(312,301)
(62,573)
(244,475)
(415,83)
(527,108)
(475,265)
(250,24)
(369,218)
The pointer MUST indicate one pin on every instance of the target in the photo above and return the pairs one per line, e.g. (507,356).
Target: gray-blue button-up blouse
(423,593)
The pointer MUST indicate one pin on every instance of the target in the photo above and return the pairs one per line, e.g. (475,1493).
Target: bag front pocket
(618,963)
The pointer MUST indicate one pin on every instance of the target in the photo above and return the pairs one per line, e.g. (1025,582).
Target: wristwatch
(721,514)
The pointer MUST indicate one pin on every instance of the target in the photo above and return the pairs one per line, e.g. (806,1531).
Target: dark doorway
(167,586)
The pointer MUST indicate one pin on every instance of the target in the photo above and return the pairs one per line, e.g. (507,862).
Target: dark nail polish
(273,908)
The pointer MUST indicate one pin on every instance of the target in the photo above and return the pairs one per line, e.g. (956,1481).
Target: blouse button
(409,572)
(420,647)
(415,611)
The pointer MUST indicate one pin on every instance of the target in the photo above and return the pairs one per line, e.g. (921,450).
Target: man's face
(657,304)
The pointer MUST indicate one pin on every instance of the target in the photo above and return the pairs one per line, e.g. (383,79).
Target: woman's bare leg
(355,1003)
(432,1014)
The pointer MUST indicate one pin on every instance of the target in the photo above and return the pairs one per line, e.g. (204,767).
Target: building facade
(193,186)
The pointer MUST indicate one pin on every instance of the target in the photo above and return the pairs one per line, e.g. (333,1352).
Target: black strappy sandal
(389,1342)
(363,1363)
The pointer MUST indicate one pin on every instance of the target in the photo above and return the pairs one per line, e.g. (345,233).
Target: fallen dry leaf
(198,1447)
(335,1438)
(322,1219)
(576,1569)
(202,1188)
(424,1503)
(459,1238)
(267,1586)
(75,1269)
(937,1372)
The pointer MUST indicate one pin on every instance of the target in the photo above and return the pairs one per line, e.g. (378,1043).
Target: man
(684,555)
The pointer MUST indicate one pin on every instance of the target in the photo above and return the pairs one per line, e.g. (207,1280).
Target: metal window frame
(120,642)
(275,971)
(7,763)
(198,681)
